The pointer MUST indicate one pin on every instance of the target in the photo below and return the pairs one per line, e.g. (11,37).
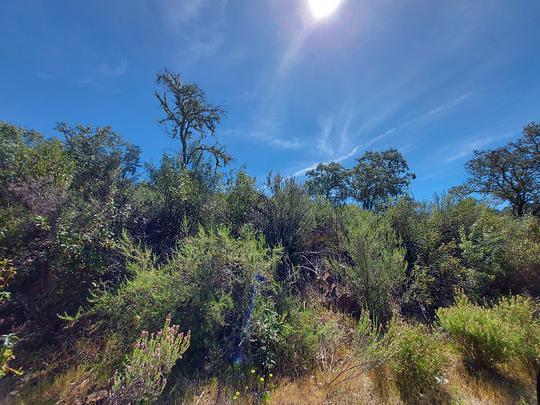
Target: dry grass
(513,385)
(376,386)
(373,384)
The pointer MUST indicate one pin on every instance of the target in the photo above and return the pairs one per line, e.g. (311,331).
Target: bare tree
(189,118)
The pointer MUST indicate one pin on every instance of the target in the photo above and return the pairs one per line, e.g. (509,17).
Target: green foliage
(7,273)
(146,368)
(26,156)
(330,181)
(417,357)
(6,355)
(378,177)
(489,336)
(287,216)
(505,252)
(433,236)
(104,161)
(83,251)
(265,336)
(172,196)
(510,174)
(241,199)
(206,283)
(304,331)
(376,267)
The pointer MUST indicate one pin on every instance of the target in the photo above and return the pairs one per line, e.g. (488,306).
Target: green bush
(417,357)
(304,331)
(504,252)
(292,337)
(286,217)
(491,336)
(146,369)
(240,201)
(173,195)
(373,264)
(206,284)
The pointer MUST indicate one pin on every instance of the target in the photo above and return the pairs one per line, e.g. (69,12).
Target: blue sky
(434,79)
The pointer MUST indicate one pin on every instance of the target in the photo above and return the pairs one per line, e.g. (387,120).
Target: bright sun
(323,8)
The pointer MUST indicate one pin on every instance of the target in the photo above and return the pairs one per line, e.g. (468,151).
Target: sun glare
(323,8)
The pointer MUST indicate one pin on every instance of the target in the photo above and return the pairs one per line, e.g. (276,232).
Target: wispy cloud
(267,138)
(323,141)
(338,159)
(439,109)
(267,117)
(276,142)
(102,76)
(44,75)
(323,137)
(187,21)
(180,11)
(292,52)
(468,146)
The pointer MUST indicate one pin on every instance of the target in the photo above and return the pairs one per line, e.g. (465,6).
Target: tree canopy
(330,181)
(510,174)
(376,178)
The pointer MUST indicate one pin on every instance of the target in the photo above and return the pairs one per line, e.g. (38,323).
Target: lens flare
(323,8)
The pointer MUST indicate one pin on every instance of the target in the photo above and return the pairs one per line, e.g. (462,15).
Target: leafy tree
(103,159)
(330,181)
(34,172)
(379,176)
(191,119)
(511,173)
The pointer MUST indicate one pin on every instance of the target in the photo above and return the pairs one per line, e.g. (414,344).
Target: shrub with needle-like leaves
(146,369)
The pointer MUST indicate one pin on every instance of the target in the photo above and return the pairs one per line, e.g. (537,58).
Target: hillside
(188,282)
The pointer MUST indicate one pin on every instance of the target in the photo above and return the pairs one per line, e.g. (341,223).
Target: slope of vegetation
(186,283)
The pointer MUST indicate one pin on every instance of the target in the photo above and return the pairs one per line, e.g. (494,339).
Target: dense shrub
(84,252)
(459,243)
(489,336)
(304,331)
(352,348)
(286,217)
(241,199)
(374,264)
(293,336)
(175,201)
(206,284)
(503,255)
(417,357)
